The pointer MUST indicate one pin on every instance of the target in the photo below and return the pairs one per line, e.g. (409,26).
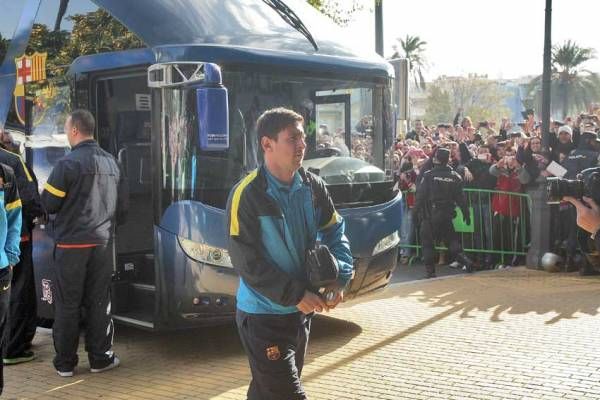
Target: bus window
(339,148)
(63,34)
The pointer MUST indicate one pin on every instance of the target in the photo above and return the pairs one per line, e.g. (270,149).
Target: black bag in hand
(321,267)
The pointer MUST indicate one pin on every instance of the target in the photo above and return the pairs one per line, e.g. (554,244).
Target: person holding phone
(479,167)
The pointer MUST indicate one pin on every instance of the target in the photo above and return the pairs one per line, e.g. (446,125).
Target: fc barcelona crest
(29,69)
(273,353)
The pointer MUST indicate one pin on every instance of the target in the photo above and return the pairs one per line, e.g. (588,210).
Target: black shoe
(430,272)
(468,268)
(24,357)
(113,364)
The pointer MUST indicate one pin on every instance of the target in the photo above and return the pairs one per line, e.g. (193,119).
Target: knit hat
(565,129)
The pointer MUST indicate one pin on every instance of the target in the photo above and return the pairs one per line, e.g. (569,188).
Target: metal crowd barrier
(499,229)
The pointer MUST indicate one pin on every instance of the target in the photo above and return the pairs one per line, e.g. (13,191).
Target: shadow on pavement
(511,291)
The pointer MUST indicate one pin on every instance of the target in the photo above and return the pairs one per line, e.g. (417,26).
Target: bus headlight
(204,253)
(387,243)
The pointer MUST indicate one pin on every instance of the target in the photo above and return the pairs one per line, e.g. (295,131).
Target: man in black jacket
(87,193)
(21,321)
(441,190)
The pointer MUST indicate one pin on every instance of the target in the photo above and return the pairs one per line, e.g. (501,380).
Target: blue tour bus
(144,86)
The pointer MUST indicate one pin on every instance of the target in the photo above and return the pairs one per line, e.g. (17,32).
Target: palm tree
(413,48)
(573,87)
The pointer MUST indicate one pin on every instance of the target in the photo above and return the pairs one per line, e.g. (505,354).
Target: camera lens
(591,178)
(558,188)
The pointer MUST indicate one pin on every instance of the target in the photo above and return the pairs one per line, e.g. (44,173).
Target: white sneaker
(65,374)
(454,264)
(110,366)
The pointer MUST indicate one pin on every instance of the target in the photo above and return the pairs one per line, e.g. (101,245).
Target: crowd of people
(497,159)
(335,142)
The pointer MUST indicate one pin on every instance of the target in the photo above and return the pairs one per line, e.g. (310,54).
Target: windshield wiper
(291,18)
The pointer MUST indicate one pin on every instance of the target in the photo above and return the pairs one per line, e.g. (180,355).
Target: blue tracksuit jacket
(270,226)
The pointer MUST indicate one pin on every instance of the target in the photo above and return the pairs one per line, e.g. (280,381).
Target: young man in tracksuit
(21,321)
(86,192)
(10,235)
(275,215)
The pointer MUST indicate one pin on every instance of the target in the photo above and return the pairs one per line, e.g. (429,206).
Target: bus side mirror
(213,110)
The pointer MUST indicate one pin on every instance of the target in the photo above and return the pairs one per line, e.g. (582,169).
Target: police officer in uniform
(21,320)
(87,193)
(441,190)
(584,156)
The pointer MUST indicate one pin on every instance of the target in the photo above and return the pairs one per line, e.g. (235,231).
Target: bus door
(123,114)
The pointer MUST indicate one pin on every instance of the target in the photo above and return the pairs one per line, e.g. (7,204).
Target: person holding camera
(583,157)
(588,217)
(440,191)
(276,215)
(506,207)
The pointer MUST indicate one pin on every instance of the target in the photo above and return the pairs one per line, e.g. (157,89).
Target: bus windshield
(345,123)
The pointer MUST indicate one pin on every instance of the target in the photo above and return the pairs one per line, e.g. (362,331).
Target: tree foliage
(413,49)
(340,12)
(572,87)
(439,105)
(93,32)
(480,98)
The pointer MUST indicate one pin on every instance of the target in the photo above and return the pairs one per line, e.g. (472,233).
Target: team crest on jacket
(273,353)
(46,291)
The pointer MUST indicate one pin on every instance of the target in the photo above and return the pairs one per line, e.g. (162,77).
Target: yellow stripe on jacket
(54,191)
(234,226)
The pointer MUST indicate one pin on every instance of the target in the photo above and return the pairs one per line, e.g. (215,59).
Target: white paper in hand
(556,169)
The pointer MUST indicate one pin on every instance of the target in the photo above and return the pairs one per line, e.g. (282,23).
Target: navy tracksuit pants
(82,281)
(276,346)
(5,279)
(21,320)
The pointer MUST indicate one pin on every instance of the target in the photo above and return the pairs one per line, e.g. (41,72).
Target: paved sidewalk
(510,334)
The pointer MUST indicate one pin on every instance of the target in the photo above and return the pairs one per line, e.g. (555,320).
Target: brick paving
(513,334)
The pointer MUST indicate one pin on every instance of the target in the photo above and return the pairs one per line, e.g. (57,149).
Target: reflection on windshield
(343,124)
